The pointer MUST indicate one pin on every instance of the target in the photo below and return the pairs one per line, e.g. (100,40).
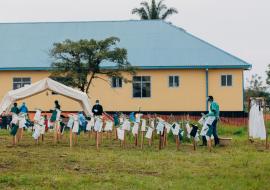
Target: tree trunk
(89,83)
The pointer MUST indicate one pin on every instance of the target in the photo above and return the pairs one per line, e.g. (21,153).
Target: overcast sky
(241,27)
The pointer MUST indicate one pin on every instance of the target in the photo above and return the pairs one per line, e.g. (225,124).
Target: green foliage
(268,75)
(157,10)
(77,63)
(256,83)
(257,89)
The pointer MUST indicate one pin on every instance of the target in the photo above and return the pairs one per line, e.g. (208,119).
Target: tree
(256,83)
(256,88)
(268,75)
(78,63)
(157,10)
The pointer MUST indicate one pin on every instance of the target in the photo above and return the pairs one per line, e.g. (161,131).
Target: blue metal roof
(153,44)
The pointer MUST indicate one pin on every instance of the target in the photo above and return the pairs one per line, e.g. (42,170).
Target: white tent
(40,86)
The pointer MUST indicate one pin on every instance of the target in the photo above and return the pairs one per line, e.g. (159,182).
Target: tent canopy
(40,86)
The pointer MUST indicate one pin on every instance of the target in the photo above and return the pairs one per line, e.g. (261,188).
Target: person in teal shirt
(15,109)
(214,111)
(214,108)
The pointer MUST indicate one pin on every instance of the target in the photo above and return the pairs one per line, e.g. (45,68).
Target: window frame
(226,75)
(142,82)
(22,83)
(174,86)
(117,79)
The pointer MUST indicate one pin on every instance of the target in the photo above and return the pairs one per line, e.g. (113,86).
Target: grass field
(46,166)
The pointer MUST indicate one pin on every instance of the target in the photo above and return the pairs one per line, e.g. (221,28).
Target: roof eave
(245,67)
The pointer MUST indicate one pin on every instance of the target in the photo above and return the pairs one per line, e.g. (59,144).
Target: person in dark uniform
(57,105)
(97,109)
(4,120)
(15,109)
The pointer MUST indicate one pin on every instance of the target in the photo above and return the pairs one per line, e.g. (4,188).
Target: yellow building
(177,71)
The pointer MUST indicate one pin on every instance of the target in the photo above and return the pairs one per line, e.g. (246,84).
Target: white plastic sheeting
(256,122)
(40,86)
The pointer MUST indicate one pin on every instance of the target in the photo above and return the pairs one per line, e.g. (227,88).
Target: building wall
(230,98)
(44,100)
(189,96)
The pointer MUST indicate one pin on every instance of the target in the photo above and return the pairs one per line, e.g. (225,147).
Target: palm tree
(154,11)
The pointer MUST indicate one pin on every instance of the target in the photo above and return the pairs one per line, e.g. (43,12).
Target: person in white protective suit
(39,126)
(256,121)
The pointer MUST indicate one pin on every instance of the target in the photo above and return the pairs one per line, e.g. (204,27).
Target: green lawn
(46,166)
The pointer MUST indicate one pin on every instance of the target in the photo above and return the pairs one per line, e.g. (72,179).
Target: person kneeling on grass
(213,112)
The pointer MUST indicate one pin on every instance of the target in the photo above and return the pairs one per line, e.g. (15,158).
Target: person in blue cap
(23,108)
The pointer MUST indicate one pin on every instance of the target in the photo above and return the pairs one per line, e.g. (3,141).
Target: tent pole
(249,100)
(265,123)
(136,140)
(210,144)
(55,132)
(160,141)
(70,137)
(142,139)
(14,140)
(165,137)
(194,144)
(177,141)
(97,140)
(124,141)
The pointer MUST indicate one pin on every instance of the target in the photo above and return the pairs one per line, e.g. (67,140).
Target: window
(173,81)
(116,82)
(141,86)
(226,80)
(21,82)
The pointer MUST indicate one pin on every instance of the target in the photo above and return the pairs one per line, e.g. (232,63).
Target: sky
(240,27)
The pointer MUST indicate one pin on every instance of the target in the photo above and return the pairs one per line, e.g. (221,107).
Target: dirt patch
(10,146)
(141,172)
(24,145)
(6,166)
(23,154)
(81,170)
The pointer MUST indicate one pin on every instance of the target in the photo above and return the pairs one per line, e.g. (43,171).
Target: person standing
(57,105)
(213,112)
(15,109)
(97,109)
